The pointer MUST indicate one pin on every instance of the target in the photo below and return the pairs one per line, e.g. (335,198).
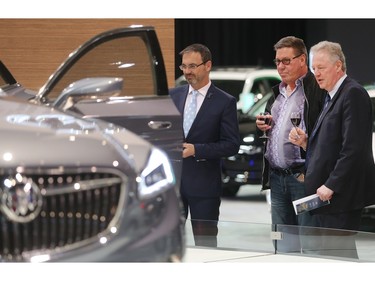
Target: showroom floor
(206,255)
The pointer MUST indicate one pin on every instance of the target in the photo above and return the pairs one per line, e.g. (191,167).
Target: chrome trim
(65,207)
(21,199)
(160,125)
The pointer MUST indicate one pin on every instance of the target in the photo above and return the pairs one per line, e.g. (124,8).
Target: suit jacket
(341,151)
(215,135)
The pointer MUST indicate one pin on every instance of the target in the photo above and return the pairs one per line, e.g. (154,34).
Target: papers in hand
(308,203)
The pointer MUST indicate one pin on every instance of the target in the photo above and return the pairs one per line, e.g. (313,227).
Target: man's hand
(298,137)
(188,150)
(324,193)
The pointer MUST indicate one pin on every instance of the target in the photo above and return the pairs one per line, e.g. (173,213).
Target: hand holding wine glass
(264,116)
(295,118)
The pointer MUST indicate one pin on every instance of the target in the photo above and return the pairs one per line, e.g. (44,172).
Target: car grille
(74,208)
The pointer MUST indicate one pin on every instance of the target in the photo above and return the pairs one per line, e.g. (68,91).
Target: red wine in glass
(295,118)
(266,120)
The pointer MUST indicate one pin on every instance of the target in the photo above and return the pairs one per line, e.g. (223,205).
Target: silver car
(90,164)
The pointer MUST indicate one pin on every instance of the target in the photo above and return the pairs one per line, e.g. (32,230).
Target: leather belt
(288,171)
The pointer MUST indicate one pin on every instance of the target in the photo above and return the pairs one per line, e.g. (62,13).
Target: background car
(250,86)
(247,84)
(246,166)
(87,173)
(368,214)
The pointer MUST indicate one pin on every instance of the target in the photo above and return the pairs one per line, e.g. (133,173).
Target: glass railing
(291,240)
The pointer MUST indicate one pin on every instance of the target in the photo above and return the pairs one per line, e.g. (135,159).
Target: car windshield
(233,87)
(259,107)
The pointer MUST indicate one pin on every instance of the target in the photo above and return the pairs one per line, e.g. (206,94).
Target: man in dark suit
(214,134)
(340,164)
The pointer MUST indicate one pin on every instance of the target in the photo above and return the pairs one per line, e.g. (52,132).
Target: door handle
(160,125)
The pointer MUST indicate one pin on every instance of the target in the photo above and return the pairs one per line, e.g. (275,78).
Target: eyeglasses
(285,61)
(192,66)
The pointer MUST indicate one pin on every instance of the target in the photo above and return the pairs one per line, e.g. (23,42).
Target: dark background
(240,42)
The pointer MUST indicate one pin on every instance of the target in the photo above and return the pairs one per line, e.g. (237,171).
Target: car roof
(237,73)
(241,73)
(370,88)
(371,92)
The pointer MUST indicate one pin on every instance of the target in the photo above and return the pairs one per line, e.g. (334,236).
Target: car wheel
(230,190)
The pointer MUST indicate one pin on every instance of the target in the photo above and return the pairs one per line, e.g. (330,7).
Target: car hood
(32,135)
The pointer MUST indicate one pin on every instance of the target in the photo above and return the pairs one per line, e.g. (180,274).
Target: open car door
(119,76)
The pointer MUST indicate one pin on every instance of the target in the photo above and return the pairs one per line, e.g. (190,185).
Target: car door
(119,76)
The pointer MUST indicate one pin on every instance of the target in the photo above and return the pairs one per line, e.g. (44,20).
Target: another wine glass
(267,121)
(295,118)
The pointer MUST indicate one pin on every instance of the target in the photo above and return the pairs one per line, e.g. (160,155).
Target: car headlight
(249,138)
(250,149)
(157,176)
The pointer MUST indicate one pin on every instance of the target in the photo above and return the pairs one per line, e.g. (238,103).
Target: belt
(287,171)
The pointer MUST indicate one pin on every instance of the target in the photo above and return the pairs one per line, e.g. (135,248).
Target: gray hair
(333,50)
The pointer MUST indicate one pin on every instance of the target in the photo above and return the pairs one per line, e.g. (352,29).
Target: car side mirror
(89,89)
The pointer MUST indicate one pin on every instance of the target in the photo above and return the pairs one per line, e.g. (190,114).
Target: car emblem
(21,199)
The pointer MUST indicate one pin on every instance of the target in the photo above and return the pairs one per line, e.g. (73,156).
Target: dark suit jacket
(215,134)
(341,151)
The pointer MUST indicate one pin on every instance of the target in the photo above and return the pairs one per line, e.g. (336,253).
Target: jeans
(284,190)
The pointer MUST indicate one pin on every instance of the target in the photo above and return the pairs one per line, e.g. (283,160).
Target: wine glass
(295,118)
(267,121)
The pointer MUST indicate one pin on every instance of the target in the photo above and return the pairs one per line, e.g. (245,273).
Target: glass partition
(331,244)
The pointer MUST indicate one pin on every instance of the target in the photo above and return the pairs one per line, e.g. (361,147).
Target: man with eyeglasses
(283,170)
(211,134)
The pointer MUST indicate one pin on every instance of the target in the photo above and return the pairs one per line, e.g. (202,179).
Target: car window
(6,78)
(127,58)
(2,82)
(259,87)
(259,106)
(233,87)
(264,85)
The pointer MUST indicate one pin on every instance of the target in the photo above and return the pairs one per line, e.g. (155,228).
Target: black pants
(336,234)
(204,214)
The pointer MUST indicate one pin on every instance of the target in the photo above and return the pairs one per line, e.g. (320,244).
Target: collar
(298,82)
(337,85)
(203,91)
